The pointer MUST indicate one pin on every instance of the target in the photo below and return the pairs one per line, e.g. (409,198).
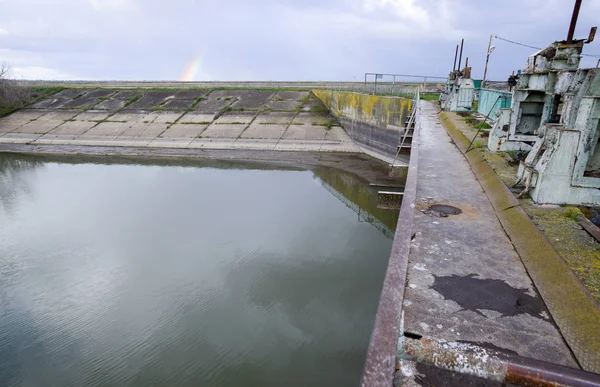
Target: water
(149,275)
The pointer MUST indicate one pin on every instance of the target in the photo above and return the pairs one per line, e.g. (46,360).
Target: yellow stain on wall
(371,109)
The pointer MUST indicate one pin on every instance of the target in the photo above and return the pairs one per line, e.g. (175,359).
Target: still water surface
(149,275)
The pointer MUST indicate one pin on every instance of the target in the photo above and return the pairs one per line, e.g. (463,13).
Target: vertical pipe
(375,88)
(462,42)
(573,21)
(455,57)
(487,59)
(365,82)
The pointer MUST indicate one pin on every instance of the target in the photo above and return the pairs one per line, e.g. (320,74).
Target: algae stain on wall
(380,111)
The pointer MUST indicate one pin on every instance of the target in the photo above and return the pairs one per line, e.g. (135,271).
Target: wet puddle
(473,294)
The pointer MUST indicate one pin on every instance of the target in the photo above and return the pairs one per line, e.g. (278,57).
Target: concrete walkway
(465,280)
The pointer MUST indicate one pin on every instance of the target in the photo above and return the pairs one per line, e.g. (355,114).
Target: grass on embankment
(28,97)
(430,96)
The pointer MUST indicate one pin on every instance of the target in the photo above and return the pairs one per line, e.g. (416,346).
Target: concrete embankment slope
(373,121)
(199,118)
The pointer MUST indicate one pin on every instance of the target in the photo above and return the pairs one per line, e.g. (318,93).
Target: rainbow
(191,69)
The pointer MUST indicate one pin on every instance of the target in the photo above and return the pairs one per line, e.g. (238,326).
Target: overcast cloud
(275,39)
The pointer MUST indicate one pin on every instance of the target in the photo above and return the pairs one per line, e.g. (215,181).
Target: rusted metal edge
(588,226)
(573,23)
(471,359)
(380,363)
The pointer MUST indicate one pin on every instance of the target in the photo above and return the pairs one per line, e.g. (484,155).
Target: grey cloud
(278,40)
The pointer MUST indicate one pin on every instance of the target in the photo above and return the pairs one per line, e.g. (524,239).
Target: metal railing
(400,84)
(409,125)
(411,120)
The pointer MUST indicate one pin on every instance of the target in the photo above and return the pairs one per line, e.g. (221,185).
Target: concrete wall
(371,120)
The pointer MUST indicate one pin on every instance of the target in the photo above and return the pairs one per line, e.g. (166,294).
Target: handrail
(410,123)
(381,356)
(407,76)
(411,120)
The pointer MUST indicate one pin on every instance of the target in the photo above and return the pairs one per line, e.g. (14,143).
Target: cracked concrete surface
(465,280)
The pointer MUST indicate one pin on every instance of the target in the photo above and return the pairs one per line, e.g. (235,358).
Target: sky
(276,40)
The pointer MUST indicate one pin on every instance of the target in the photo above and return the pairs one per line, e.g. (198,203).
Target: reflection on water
(150,275)
(361,198)
(12,183)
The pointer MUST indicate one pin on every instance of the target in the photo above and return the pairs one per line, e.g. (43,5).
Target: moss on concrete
(573,309)
(371,109)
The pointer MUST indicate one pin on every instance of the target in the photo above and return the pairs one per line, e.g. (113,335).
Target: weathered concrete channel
(453,274)
(183,119)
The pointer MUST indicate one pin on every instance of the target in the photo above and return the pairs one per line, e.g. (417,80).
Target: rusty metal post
(487,59)
(455,57)
(573,24)
(462,42)
(591,36)
(470,359)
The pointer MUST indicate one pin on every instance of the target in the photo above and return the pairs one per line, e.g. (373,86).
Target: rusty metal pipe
(529,372)
(574,21)
(591,36)
(455,57)
(462,42)
(470,359)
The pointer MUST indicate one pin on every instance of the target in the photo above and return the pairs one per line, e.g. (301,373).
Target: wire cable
(517,43)
(537,48)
